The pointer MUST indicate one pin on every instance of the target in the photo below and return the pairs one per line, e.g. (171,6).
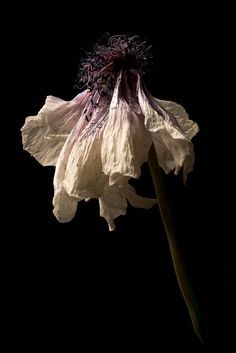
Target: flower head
(100,139)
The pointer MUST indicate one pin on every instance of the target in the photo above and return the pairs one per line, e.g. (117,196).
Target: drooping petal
(189,127)
(78,172)
(185,155)
(138,201)
(64,204)
(83,176)
(171,133)
(173,154)
(44,135)
(125,141)
(157,118)
(113,202)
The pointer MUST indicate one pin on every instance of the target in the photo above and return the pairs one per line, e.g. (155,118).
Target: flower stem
(178,262)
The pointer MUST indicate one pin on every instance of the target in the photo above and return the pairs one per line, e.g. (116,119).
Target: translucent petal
(44,135)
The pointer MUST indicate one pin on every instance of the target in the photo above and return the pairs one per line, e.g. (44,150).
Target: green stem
(179,266)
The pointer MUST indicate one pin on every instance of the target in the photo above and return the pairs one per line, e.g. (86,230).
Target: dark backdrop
(78,282)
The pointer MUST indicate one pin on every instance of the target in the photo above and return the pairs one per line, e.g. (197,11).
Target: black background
(77,283)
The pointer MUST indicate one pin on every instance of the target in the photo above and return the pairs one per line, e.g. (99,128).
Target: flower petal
(189,127)
(173,154)
(61,198)
(157,118)
(78,172)
(125,143)
(44,135)
(137,200)
(171,132)
(113,202)
(83,176)
(64,206)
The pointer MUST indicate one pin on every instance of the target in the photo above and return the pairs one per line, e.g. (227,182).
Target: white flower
(98,141)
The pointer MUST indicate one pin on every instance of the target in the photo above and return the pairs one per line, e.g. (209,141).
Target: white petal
(44,135)
(64,206)
(153,120)
(113,202)
(61,197)
(125,143)
(78,172)
(157,118)
(137,200)
(83,176)
(189,127)
(173,154)
(171,132)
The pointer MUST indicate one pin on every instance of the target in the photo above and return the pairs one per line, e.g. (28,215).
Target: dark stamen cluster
(100,67)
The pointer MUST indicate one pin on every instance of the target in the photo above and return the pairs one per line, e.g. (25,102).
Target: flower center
(111,54)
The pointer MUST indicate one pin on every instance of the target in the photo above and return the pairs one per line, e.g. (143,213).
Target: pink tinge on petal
(78,171)
(64,115)
(156,118)
(125,141)
(44,135)
(96,115)
(187,126)
(98,143)
(171,132)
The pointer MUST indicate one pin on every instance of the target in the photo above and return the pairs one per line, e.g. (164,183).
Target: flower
(100,139)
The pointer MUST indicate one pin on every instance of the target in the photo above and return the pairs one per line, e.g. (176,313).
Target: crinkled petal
(44,135)
(126,141)
(113,202)
(64,206)
(155,117)
(152,119)
(189,127)
(173,154)
(171,132)
(78,172)
(84,177)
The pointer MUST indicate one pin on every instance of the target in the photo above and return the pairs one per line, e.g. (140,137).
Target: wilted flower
(101,138)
